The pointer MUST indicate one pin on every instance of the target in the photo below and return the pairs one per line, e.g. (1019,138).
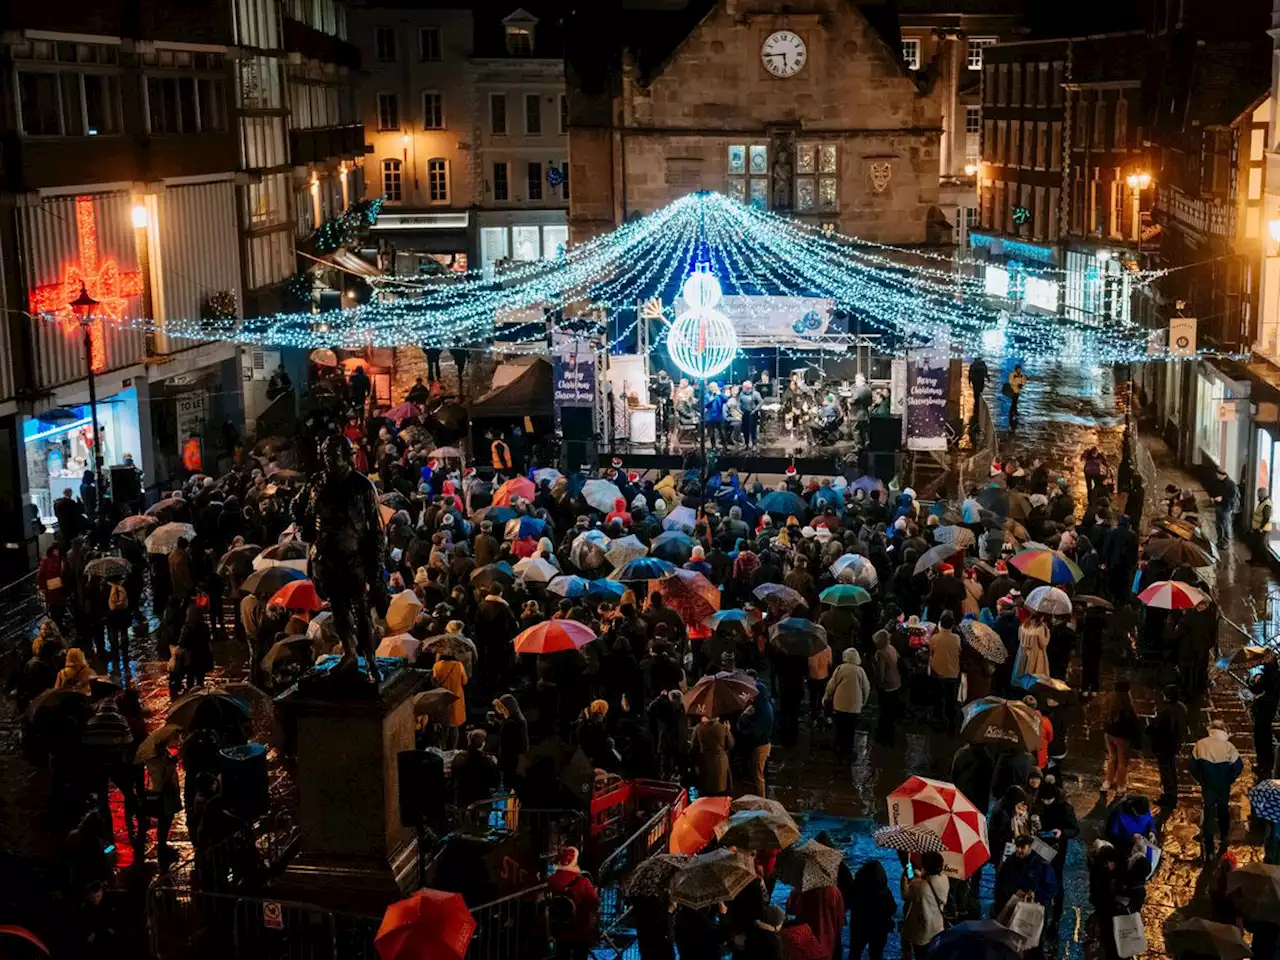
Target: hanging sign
(1182,337)
(573,372)
(927,381)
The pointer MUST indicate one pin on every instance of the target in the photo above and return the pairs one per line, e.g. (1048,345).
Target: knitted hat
(698,553)
(616,462)
(453,628)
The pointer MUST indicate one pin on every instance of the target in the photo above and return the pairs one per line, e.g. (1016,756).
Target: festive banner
(927,373)
(573,376)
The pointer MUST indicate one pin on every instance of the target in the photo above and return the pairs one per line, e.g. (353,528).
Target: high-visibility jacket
(192,461)
(501,455)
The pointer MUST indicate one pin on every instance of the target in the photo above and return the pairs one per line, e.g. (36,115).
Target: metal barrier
(241,862)
(552,829)
(512,928)
(650,839)
(21,610)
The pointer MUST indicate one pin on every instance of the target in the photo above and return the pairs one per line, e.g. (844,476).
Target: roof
(528,395)
(1227,79)
(492,16)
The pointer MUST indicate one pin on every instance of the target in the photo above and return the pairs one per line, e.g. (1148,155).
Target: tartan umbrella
(961,537)
(625,549)
(165,538)
(996,720)
(934,556)
(984,640)
(643,568)
(696,825)
(1205,938)
(430,924)
(1047,566)
(515,487)
(715,877)
(1255,890)
(845,595)
(809,865)
(554,636)
(1264,800)
(947,813)
(690,594)
(1178,552)
(909,840)
(798,636)
(140,524)
(853,568)
(720,694)
(776,593)
(1050,601)
(674,546)
(1171,595)
(652,877)
(758,830)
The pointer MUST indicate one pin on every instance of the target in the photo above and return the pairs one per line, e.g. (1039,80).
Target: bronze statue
(339,517)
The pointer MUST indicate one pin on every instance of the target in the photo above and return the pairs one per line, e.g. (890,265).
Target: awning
(528,395)
(348,262)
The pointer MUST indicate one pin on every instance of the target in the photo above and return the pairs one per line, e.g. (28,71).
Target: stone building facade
(811,114)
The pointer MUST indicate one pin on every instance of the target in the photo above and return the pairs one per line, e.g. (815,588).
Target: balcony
(326,143)
(314,45)
(32,163)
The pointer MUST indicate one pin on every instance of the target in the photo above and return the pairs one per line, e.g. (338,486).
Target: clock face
(783,53)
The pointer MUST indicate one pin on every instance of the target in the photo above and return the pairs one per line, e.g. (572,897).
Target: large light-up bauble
(702,342)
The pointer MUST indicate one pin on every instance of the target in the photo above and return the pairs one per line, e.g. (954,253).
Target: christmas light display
(702,341)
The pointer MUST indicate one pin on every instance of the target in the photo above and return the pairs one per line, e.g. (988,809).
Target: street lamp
(83,307)
(1138,181)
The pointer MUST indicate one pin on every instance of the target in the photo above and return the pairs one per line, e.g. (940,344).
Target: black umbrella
(238,561)
(296,649)
(263,584)
(1178,552)
(798,636)
(207,708)
(395,500)
(935,556)
(976,940)
(563,762)
(499,572)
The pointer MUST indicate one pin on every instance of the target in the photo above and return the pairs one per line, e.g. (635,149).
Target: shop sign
(1182,337)
(1227,411)
(192,413)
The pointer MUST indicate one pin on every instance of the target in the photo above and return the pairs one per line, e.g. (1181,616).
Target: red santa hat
(633,477)
(431,462)
(617,462)
(469,471)
(946,569)
(791,470)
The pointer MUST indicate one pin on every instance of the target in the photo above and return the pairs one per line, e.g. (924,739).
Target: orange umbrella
(351,363)
(429,925)
(691,594)
(297,595)
(696,826)
(515,487)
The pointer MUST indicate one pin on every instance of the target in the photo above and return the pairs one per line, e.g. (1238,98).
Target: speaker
(124,484)
(885,435)
(422,787)
(244,780)
(577,423)
(883,465)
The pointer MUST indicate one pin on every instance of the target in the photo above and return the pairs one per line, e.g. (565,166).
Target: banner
(573,373)
(1182,337)
(927,379)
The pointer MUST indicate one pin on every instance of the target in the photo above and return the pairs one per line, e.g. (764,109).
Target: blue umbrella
(569,586)
(1264,800)
(525,527)
(784,503)
(606,589)
(976,940)
(643,569)
(497,515)
(739,617)
(827,497)
(674,546)
(731,496)
(867,483)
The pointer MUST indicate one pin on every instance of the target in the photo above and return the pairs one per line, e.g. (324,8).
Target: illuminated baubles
(702,342)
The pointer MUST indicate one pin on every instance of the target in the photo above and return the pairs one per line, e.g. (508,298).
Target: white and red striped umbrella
(948,814)
(1172,595)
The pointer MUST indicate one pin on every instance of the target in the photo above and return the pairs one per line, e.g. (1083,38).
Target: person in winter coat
(709,750)
(513,737)
(474,773)
(972,768)
(1167,732)
(1123,729)
(1033,649)
(823,909)
(847,692)
(872,909)
(449,674)
(1024,875)
(1058,827)
(924,902)
(76,674)
(495,627)
(575,909)
(713,412)
(1215,765)
(50,584)
(888,688)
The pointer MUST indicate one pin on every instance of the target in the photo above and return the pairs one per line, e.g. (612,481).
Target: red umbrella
(941,809)
(297,595)
(429,925)
(516,487)
(690,594)
(1172,595)
(553,636)
(696,826)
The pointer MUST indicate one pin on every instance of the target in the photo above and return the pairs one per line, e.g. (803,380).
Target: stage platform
(744,463)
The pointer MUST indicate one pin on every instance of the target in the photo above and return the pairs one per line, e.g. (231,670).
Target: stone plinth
(354,854)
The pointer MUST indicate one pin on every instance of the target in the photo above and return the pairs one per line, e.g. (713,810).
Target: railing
(241,862)
(552,830)
(512,928)
(650,839)
(20,611)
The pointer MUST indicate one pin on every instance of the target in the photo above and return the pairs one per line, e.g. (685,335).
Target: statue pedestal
(354,854)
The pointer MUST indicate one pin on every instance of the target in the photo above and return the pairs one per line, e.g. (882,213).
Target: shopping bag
(53,583)
(1131,936)
(1043,850)
(1027,922)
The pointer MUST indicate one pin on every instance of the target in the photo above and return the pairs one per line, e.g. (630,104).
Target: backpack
(118,599)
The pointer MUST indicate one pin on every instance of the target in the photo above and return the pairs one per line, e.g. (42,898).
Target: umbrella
(553,636)
(1087,600)
(156,741)
(715,877)
(138,524)
(690,594)
(674,546)
(739,618)
(696,825)
(433,702)
(495,515)
(499,572)
(853,568)
(750,801)
(403,646)
(799,942)
(783,504)
(776,593)
(1183,529)
(515,487)
(73,703)
(909,840)
(206,708)
(238,561)
(984,640)
(606,589)
(947,813)
(961,537)
(809,865)
(758,830)
(324,357)
(285,475)
(403,611)
(165,538)
(642,569)
(428,924)
(1050,601)
(1178,552)
(977,940)
(1205,938)
(569,586)
(867,484)
(720,694)
(168,509)
(1047,566)
(573,770)
(108,568)
(246,693)
(446,453)
(536,570)
(1264,800)
(996,720)
(290,554)
(601,495)
(798,637)
(1172,595)
(845,595)
(546,473)
(1246,658)
(454,644)
(524,527)
(264,583)
(1045,689)
(1255,890)
(932,557)
(297,649)
(681,519)
(588,549)
(652,877)
(625,549)
(297,595)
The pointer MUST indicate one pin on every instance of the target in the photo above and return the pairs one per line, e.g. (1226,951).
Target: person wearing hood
(1215,765)
(75,674)
(450,674)
(1058,827)
(888,686)
(847,692)
(575,910)
(619,513)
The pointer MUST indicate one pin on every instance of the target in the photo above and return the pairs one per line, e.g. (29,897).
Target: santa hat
(567,858)
(633,477)
(617,462)
(469,472)
(946,569)
(431,462)
(997,468)
(791,470)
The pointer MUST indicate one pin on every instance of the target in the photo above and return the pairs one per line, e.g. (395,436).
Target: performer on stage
(750,401)
(661,392)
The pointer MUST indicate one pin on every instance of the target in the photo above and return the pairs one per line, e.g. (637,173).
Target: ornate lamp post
(84,307)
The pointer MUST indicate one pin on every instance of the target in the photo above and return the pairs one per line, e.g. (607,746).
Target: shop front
(1221,412)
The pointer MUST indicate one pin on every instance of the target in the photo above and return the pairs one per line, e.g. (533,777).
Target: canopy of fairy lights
(904,297)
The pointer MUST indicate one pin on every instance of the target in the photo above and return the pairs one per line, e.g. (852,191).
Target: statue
(338,516)
(781,176)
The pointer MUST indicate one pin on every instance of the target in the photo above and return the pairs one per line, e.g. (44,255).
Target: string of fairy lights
(900,296)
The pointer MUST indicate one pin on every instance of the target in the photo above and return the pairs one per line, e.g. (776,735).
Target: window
(38,93)
(438,180)
(564,113)
(525,243)
(976,46)
(501,187)
(388,112)
(535,182)
(497,113)
(391,179)
(1015,99)
(384,43)
(213,107)
(1028,144)
(972,134)
(911,54)
(519,40)
(171,103)
(532,113)
(432,111)
(1100,125)
(429,44)
(555,239)
(1122,124)
(748,178)
(816,176)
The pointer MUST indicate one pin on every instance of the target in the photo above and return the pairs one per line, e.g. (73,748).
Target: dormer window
(519,33)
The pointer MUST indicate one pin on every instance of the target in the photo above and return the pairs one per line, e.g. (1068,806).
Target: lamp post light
(1137,181)
(83,307)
